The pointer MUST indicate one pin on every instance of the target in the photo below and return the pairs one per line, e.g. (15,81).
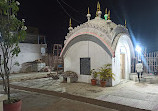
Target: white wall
(83,49)
(29,53)
(99,57)
(123,46)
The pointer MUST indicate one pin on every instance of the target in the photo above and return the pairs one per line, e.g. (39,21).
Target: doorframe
(122,68)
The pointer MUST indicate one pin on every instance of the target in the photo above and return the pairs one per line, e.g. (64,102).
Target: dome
(104,29)
(103,23)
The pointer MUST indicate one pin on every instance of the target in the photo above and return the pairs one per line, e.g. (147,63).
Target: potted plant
(105,74)
(12,31)
(94,76)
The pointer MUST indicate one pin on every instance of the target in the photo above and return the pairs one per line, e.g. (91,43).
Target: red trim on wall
(90,33)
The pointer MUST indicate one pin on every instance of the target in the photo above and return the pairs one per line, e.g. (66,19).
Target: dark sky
(53,22)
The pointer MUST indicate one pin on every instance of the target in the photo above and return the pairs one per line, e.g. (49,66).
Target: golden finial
(70,23)
(88,10)
(98,6)
(125,23)
(109,15)
(106,11)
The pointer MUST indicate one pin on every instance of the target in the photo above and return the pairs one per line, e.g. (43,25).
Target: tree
(12,31)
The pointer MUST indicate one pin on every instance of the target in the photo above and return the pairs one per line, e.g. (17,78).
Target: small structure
(32,48)
(95,43)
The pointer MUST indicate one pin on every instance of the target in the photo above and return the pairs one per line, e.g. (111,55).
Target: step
(151,79)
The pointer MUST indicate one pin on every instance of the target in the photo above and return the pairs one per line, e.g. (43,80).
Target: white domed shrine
(95,43)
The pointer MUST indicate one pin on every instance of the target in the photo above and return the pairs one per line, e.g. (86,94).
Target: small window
(85,66)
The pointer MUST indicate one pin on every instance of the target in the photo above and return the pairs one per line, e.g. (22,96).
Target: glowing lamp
(138,49)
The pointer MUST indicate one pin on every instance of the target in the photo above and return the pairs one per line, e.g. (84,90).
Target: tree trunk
(7,72)
(8,85)
(3,81)
(5,86)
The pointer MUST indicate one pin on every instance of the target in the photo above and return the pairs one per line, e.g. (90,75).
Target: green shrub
(106,72)
(93,74)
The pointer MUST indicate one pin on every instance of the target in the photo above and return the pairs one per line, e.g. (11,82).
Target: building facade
(95,43)
(31,49)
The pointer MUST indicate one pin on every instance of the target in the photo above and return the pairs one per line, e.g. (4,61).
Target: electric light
(138,49)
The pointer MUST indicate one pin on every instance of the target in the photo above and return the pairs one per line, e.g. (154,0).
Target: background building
(32,48)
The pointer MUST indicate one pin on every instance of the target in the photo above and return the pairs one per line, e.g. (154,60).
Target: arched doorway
(122,62)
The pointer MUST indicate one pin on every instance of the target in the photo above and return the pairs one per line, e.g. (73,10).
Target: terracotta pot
(13,106)
(103,83)
(93,82)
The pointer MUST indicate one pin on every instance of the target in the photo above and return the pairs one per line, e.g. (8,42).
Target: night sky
(52,17)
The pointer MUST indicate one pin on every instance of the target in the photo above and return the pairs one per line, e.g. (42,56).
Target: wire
(68,13)
(73,8)
(70,6)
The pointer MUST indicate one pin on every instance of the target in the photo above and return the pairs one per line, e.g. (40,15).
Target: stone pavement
(139,95)
(147,78)
(32,101)
(27,76)
(80,99)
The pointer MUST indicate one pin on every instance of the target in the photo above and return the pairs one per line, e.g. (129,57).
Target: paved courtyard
(134,94)
(32,101)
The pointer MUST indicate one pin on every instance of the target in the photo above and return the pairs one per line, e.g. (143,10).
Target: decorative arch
(87,36)
(117,38)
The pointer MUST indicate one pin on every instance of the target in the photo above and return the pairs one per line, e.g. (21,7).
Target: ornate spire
(88,15)
(98,8)
(106,14)
(125,23)
(109,15)
(70,23)
(106,11)
(70,26)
